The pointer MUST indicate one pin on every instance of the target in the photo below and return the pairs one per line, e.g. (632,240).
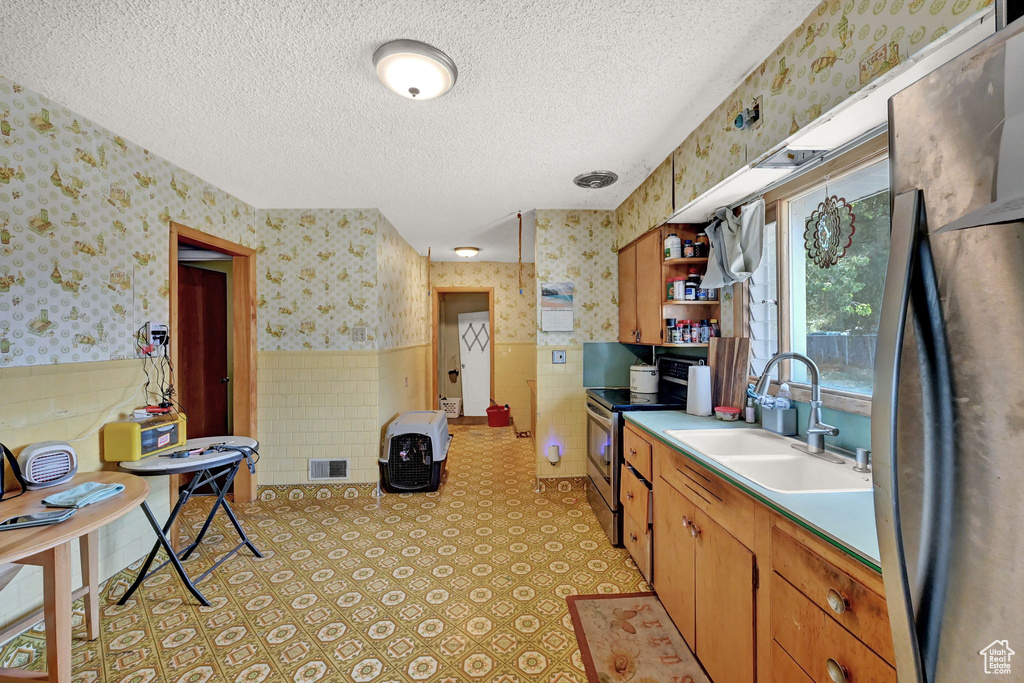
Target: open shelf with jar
(694,311)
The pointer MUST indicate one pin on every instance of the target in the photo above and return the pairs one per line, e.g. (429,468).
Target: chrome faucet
(816,429)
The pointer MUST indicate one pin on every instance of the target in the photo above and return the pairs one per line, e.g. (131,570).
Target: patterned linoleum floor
(466,584)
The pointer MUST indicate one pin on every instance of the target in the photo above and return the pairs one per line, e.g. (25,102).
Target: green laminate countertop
(846,520)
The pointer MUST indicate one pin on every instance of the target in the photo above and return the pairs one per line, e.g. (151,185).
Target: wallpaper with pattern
(403,293)
(318,278)
(648,206)
(840,48)
(84,216)
(515,314)
(580,247)
(324,272)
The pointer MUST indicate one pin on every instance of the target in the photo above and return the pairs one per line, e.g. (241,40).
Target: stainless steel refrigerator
(948,408)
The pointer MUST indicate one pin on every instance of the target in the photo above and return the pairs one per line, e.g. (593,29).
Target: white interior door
(475,352)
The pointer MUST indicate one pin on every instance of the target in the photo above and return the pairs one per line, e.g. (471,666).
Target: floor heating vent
(326,469)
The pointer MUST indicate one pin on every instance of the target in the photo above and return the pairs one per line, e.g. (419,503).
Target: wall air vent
(328,469)
(792,158)
(595,180)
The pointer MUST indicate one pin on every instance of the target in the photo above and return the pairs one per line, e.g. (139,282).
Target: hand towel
(84,494)
(736,245)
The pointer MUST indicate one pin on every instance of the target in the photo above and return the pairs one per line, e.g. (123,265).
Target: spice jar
(702,245)
(716,331)
(688,250)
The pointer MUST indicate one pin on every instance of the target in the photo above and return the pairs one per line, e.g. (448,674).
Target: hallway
(468,583)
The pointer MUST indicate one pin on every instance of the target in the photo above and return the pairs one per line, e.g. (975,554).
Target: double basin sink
(771,461)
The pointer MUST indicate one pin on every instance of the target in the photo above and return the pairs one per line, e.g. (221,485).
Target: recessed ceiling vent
(595,180)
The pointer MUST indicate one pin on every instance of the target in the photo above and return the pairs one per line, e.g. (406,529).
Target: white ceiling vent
(595,180)
(328,469)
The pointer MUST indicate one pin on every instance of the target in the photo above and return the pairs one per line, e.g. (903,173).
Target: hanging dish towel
(84,494)
(736,244)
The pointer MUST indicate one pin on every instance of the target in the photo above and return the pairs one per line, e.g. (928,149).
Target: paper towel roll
(698,390)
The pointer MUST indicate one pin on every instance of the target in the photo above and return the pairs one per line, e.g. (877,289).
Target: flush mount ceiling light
(595,180)
(414,70)
(467,252)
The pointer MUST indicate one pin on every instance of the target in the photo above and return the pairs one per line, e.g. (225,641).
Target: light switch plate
(557,357)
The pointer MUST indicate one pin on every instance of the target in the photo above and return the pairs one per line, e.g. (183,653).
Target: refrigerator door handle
(895,303)
(910,279)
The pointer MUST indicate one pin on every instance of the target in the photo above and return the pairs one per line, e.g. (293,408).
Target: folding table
(218,462)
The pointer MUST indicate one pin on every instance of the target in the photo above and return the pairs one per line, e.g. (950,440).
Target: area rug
(630,637)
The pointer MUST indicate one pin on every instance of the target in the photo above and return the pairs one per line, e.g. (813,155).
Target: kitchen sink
(770,461)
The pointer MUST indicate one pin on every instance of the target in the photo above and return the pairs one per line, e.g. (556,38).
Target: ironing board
(209,467)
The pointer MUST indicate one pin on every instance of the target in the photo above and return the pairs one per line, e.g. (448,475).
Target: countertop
(847,520)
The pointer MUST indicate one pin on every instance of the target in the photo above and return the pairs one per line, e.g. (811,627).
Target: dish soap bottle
(748,414)
(783,399)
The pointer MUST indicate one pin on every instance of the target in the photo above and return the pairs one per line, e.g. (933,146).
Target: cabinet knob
(694,530)
(686,522)
(632,451)
(632,537)
(836,601)
(629,495)
(836,671)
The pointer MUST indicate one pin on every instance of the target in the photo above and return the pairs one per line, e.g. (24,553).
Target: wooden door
(650,289)
(725,603)
(627,295)
(203,350)
(674,559)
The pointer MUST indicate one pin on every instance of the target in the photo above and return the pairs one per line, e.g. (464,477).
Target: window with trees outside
(830,315)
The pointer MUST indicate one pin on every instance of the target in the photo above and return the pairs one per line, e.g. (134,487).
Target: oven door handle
(606,421)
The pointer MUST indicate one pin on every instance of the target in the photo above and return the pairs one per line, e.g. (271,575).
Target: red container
(498,416)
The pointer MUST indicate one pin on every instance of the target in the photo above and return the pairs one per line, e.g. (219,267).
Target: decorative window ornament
(828,232)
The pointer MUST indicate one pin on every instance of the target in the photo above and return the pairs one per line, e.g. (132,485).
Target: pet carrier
(415,451)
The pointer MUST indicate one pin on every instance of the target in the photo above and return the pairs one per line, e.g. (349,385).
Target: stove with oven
(604,436)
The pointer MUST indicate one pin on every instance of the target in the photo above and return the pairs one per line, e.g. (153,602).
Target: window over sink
(829,314)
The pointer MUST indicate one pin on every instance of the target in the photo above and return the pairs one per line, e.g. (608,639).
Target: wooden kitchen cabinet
(627,295)
(637,451)
(725,577)
(674,558)
(756,596)
(641,290)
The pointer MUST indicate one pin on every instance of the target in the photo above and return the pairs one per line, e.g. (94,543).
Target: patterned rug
(631,638)
(465,584)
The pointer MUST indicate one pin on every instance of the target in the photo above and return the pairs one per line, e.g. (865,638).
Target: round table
(49,547)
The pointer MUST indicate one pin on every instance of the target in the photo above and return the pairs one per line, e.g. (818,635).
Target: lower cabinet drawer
(860,610)
(634,496)
(636,536)
(784,669)
(818,644)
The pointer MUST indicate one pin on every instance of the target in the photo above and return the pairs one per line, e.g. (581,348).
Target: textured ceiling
(278,102)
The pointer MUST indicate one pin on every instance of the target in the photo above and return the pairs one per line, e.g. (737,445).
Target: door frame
(435,312)
(243,346)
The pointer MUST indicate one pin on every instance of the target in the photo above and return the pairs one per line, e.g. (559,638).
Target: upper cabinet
(645,302)
(649,206)
(640,291)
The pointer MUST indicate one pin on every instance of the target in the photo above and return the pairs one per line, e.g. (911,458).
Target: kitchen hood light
(467,252)
(414,70)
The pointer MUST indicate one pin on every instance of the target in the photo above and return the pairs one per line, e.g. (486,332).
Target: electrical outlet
(558,357)
(358,334)
(155,334)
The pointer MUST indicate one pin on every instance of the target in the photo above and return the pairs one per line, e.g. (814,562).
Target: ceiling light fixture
(467,252)
(414,70)
(595,180)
